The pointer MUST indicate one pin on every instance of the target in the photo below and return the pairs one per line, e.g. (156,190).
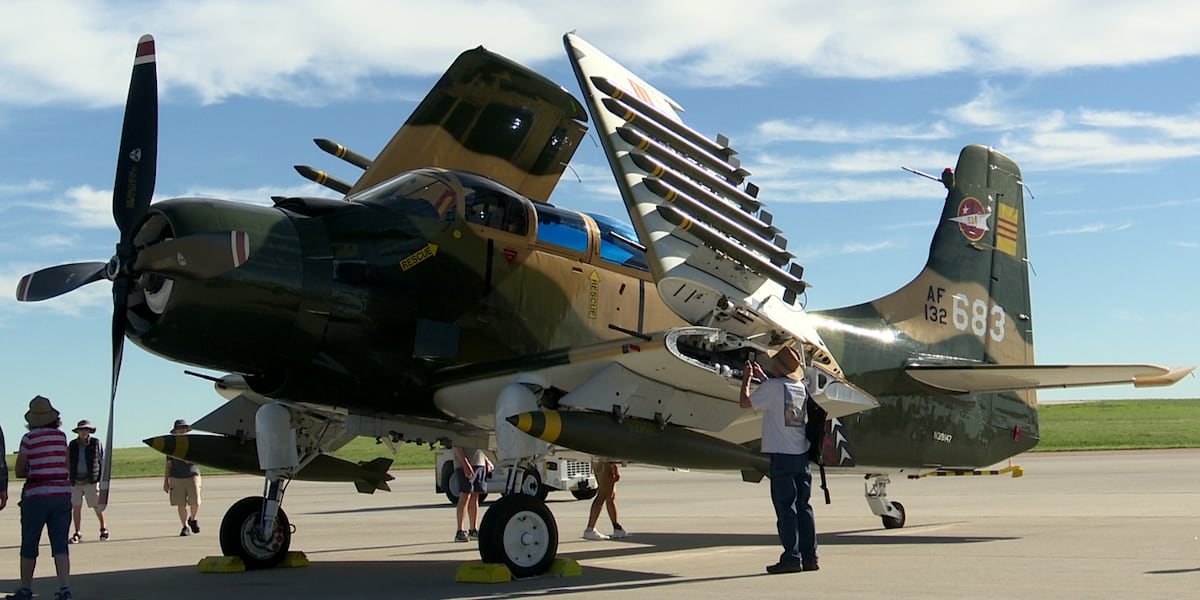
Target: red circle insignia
(973,227)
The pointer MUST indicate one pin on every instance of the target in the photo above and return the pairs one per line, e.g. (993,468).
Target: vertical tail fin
(971,301)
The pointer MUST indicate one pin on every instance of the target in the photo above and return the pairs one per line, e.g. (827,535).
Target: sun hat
(40,413)
(84,425)
(788,362)
(180,424)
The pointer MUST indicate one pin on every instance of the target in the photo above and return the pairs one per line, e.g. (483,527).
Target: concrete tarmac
(1077,525)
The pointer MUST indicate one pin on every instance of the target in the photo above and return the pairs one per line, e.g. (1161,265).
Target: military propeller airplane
(444,298)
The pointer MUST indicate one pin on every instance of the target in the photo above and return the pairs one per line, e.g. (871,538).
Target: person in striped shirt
(46,497)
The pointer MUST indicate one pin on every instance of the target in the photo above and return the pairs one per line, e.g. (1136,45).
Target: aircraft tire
(238,537)
(519,531)
(450,485)
(584,494)
(890,522)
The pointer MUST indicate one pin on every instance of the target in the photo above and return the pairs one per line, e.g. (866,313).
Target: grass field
(1120,425)
(1108,425)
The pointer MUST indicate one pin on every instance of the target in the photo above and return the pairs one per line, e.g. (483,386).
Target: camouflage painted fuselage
(372,305)
(426,278)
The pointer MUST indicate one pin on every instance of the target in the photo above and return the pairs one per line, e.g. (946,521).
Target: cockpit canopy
(437,194)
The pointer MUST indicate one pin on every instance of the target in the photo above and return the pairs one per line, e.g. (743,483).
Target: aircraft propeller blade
(133,189)
(196,256)
(55,281)
(120,304)
(138,152)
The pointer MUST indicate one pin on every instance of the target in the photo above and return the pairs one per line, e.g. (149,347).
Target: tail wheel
(519,531)
(240,538)
(890,522)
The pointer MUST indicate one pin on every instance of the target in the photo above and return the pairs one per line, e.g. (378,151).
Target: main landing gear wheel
(240,535)
(890,522)
(519,531)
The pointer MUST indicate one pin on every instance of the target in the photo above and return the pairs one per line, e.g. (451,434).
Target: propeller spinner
(193,257)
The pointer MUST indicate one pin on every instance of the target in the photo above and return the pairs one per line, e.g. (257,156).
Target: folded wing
(713,252)
(491,116)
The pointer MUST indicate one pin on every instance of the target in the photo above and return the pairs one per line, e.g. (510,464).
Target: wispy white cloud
(812,130)
(1090,228)
(823,250)
(89,207)
(53,241)
(1081,148)
(1186,126)
(988,109)
(1149,206)
(889,161)
(1192,245)
(807,187)
(35,186)
(84,206)
(1079,138)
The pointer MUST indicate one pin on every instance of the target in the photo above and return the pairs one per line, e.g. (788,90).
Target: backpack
(814,430)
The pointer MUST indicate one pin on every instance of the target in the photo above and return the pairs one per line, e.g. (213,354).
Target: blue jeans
(791,487)
(51,512)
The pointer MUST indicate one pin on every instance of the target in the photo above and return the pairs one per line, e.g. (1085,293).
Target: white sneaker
(619,533)
(591,534)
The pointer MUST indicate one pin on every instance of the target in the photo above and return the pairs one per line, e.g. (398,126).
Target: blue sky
(1099,102)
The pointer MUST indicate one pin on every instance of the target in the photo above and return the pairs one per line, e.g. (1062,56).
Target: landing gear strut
(892,513)
(519,530)
(256,529)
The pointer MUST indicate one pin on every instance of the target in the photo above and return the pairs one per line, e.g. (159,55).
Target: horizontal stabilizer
(999,378)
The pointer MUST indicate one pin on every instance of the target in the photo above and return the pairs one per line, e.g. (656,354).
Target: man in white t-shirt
(781,397)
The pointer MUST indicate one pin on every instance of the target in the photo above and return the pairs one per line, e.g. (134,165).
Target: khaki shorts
(88,491)
(185,490)
(605,485)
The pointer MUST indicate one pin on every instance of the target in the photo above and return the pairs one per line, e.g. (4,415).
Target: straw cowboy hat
(40,412)
(84,425)
(788,362)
